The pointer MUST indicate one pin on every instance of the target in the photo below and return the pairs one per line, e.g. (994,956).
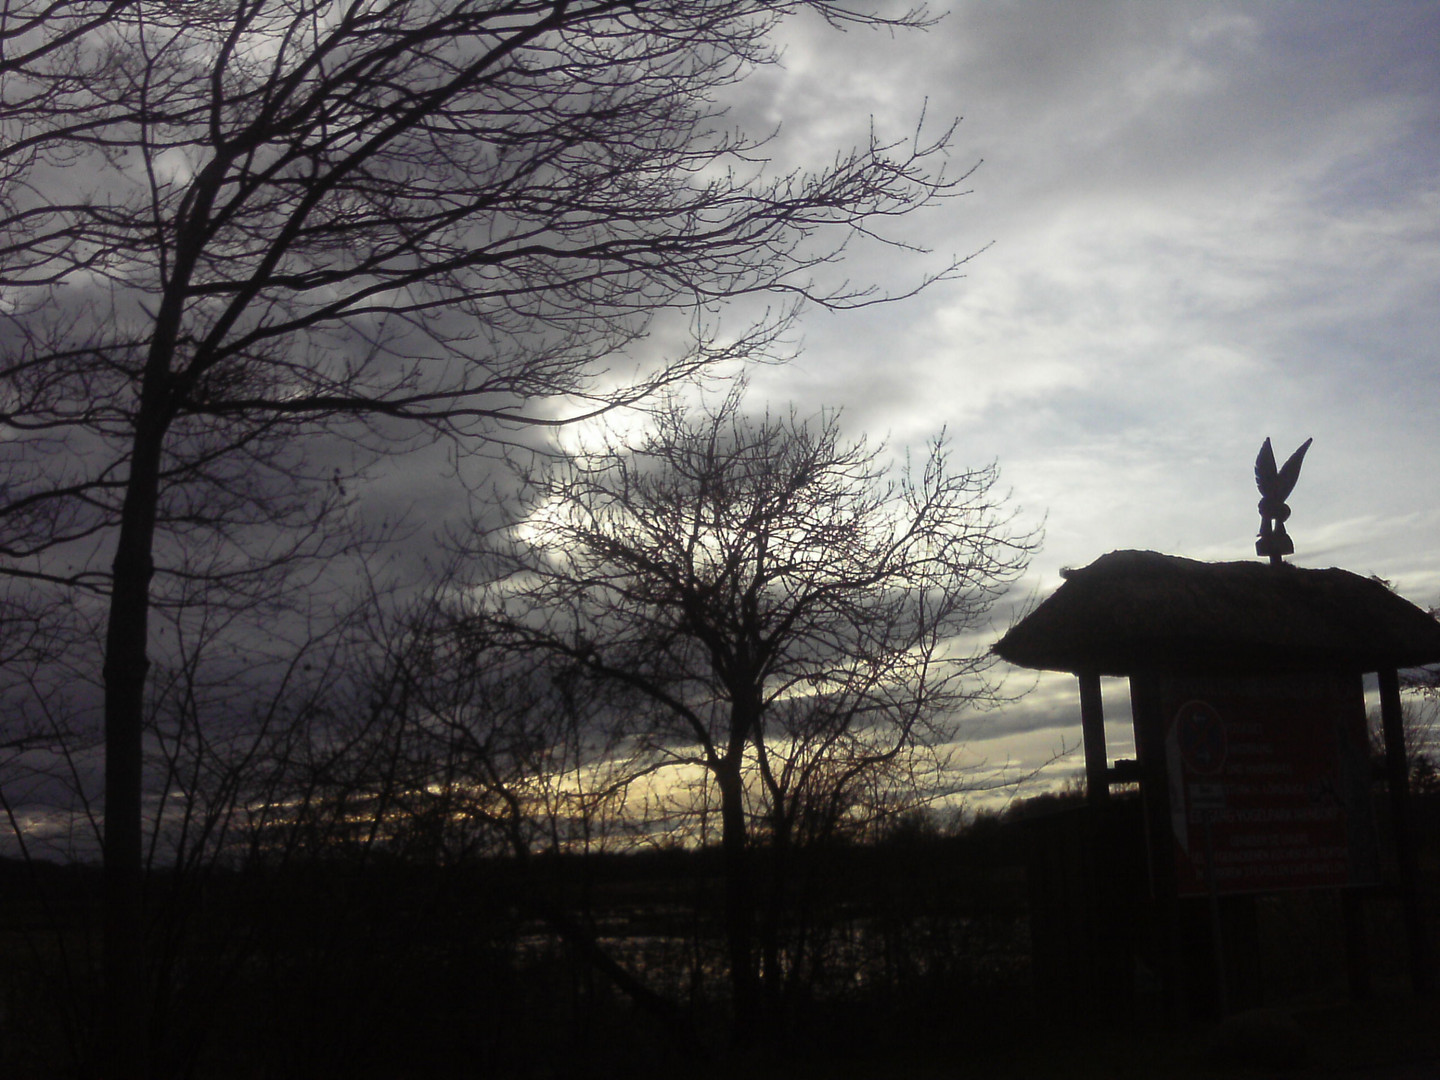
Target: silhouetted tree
(774,608)
(229,228)
(237,725)
(471,750)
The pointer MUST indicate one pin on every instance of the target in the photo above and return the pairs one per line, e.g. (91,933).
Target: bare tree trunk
(777,868)
(739,912)
(126,665)
(124,1022)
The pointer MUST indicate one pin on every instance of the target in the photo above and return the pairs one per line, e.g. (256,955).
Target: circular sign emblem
(1201,736)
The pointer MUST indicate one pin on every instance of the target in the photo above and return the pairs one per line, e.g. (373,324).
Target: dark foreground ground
(392,971)
(1392,1037)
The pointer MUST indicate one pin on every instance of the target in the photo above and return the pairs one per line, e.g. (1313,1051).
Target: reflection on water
(685,958)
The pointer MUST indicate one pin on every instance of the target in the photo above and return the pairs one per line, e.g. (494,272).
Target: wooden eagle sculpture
(1275,486)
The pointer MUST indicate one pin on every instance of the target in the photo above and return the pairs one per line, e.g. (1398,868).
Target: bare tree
(775,607)
(228,229)
(488,752)
(239,717)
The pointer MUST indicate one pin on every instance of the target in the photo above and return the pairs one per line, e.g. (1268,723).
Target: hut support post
(1397,781)
(1092,730)
(1111,955)
(1149,723)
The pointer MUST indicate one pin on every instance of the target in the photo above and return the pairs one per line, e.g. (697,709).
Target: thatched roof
(1139,610)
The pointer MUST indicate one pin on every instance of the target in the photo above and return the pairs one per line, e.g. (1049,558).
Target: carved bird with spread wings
(1275,486)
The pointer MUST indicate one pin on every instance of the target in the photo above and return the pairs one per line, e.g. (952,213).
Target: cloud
(1203,223)
(1209,223)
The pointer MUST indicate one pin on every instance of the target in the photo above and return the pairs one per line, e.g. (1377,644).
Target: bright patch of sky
(1207,223)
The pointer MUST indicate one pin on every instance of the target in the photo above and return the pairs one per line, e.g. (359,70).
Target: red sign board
(1269,783)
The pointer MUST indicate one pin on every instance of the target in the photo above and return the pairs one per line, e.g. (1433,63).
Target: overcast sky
(1198,225)
(1207,223)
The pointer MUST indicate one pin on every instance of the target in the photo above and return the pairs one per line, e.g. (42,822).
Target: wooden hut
(1171,625)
